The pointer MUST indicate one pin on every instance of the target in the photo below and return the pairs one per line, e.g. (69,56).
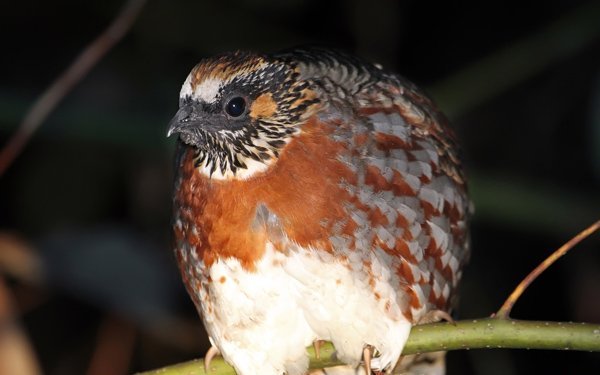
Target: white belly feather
(263,320)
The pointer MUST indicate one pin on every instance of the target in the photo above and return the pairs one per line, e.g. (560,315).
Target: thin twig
(506,308)
(67,80)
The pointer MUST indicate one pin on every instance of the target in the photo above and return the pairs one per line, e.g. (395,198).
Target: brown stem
(16,354)
(506,308)
(67,80)
(114,348)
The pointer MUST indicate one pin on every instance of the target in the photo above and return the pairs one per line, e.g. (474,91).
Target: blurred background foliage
(85,263)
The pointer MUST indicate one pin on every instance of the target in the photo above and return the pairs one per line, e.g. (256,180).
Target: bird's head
(239,110)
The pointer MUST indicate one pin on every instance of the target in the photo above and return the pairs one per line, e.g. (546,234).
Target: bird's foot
(367,355)
(210,354)
(436,316)
(317,345)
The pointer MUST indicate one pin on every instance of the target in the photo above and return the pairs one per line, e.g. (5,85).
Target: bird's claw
(210,354)
(367,355)
(436,316)
(317,346)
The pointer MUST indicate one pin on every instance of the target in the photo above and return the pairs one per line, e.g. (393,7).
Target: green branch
(504,333)
(467,334)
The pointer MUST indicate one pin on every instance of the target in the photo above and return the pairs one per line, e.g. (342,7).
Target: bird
(317,197)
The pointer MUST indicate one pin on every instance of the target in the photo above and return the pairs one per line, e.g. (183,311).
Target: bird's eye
(235,107)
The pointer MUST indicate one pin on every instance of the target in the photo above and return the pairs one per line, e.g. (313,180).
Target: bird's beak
(186,118)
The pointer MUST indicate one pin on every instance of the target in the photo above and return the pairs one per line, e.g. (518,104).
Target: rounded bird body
(317,197)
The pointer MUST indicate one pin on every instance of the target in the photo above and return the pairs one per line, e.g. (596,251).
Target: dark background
(84,212)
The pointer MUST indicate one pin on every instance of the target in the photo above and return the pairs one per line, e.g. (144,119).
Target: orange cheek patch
(263,106)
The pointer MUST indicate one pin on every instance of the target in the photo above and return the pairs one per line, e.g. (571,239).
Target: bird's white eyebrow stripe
(186,88)
(206,91)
